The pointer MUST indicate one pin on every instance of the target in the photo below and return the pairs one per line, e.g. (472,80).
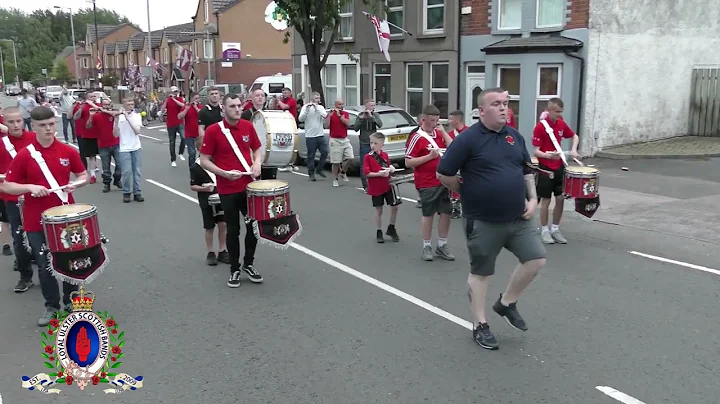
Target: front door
(475,85)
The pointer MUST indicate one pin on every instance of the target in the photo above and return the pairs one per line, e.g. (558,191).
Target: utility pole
(72,42)
(150,54)
(97,46)
(2,70)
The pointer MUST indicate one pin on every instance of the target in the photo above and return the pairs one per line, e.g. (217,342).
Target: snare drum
(71,228)
(268,199)
(581,182)
(277,131)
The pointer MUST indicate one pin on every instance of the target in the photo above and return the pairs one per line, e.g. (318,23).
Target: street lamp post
(97,45)
(17,71)
(72,29)
(2,70)
(150,54)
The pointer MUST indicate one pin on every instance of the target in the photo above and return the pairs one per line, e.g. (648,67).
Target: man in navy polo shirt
(499,200)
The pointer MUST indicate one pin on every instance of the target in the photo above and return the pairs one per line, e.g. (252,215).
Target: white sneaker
(173,164)
(335,183)
(344,177)
(182,158)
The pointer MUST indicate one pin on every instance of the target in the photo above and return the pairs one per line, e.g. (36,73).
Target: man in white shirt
(127,127)
(313,115)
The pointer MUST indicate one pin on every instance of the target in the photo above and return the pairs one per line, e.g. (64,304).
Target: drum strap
(9,146)
(551,133)
(427,137)
(212,176)
(234,146)
(37,156)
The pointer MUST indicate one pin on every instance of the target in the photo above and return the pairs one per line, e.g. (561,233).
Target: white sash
(428,138)
(234,146)
(212,176)
(9,146)
(551,133)
(48,175)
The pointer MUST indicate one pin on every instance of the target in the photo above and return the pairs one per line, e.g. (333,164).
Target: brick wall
(579,14)
(477,22)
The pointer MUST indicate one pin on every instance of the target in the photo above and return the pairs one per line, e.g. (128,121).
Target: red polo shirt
(19,142)
(103,129)
(376,185)
(80,123)
(192,125)
(216,145)
(61,160)
(173,110)
(338,130)
(542,140)
(292,104)
(425,176)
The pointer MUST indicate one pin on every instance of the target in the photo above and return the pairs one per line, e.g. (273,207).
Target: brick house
(106,34)
(68,56)
(236,21)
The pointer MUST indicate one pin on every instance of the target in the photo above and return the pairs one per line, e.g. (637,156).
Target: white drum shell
(277,131)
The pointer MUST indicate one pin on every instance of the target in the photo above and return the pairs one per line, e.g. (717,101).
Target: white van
(272,85)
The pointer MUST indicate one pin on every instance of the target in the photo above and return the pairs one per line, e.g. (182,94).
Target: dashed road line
(674,262)
(619,395)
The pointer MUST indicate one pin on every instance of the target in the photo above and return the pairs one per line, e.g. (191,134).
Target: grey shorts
(485,240)
(435,200)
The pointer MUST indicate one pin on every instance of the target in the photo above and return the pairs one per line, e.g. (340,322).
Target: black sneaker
(312,177)
(379,236)
(7,250)
(510,314)
(234,281)
(392,233)
(485,338)
(106,188)
(254,275)
(322,174)
(223,257)
(23,285)
(118,184)
(211,259)
(138,198)
(126,198)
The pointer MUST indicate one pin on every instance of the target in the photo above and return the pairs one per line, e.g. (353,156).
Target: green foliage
(41,35)
(61,71)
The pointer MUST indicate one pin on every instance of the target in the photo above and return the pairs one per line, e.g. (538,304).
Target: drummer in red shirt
(88,140)
(17,139)
(288,103)
(101,124)
(25,177)
(218,157)
(550,160)
(172,107)
(189,115)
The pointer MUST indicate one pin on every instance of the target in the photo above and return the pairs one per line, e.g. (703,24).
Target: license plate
(397,138)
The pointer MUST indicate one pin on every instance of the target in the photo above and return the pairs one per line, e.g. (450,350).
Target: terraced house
(423,49)
(106,34)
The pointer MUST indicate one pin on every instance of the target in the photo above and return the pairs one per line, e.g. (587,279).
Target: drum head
(68,210)
(264,185)
(581,170)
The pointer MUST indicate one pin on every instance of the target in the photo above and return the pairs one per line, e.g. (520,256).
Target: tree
(61,71)
(311,19)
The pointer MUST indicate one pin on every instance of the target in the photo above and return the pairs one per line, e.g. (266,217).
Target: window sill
(506,31)
(540,30)
(397,37)
(432,35)
(345,40)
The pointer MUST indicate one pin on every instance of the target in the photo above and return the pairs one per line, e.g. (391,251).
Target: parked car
(11,91)
(53,93)
(75,92)
(397,124)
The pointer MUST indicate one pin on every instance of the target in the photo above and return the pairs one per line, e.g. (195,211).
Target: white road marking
(299,173)
(352,272)
(680,263)
(155,127)
(150,137)
(0,398)
(619,395)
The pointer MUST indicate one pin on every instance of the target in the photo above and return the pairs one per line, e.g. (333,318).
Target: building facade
(424,59)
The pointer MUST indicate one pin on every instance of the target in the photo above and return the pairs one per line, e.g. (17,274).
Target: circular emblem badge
(83,344)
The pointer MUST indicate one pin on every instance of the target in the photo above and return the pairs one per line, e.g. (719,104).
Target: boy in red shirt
(377,170)
(192,125)
(456,120)
(101,125)
(423,155)
(549,159)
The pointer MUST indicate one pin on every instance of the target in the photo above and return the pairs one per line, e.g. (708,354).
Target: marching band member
(287,102)
(341,151)
(211,113)
(257,100)
(87,141)
(189,115)
(42,166)
(101,124)
(17,139)
(204,183)
(549,159)
(313,115)
(377,170)
(234,171)
(127,129)
(423,154)
(172,106)
(367,123)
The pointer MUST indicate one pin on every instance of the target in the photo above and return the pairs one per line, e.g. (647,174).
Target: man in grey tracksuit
(313,115)
(66,104)
(368,122)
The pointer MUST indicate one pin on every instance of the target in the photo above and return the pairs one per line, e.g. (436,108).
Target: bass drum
(277,131)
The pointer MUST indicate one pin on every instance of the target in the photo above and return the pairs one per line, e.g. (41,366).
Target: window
(414,86)
(510,14)
(331,91)
(433,16)
(195,48)
(382,82)
(550,13)
(350,88)
(275,88)
(85,63)
(509,79)
(207,49)
(549,79)
(166,55)
(207,11)
(439,87)
(394,15)
(346,20)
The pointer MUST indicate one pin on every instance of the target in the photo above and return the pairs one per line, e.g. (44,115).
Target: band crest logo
(282,140)
(277,207)
(74,235)
(589,187)
(84,348)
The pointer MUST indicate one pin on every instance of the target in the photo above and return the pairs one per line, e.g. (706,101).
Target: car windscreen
(396,119)
(256,86)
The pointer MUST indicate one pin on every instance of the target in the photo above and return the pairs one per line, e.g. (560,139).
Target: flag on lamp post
(382,30)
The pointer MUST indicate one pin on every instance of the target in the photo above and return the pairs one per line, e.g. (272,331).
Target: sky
(163,13)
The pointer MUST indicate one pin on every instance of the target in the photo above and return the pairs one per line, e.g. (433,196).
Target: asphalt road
(341,319)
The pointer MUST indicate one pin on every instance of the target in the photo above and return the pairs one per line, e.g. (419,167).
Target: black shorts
(435,200)
(268,173)
(89,147)
(3,213)
(385,199)
(546,186)
(211,215)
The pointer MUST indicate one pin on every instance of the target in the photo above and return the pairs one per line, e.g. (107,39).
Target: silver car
(397,124)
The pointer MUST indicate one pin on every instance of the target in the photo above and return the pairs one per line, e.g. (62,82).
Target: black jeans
(106,154)
(313,145)
(48,283)
(65,122)
(235,208)
(21,250)
(173,133)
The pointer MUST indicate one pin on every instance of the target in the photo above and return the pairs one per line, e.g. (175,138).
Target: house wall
(641,55)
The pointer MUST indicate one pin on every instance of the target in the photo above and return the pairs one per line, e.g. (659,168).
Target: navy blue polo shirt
(493,166)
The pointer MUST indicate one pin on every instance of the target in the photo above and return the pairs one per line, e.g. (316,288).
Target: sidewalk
(683,147)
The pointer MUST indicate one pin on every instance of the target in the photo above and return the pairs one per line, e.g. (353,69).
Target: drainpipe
(581,88)
(459,58)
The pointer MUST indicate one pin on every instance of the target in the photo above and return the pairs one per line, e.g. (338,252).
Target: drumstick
(71,184)
(579,162)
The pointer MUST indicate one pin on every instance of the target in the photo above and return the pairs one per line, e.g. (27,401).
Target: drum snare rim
(277,191)
(575,174)
(59,219)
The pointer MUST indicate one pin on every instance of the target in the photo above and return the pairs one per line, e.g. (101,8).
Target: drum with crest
(581,182)
(277,130)
(74,244)
(269,210)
